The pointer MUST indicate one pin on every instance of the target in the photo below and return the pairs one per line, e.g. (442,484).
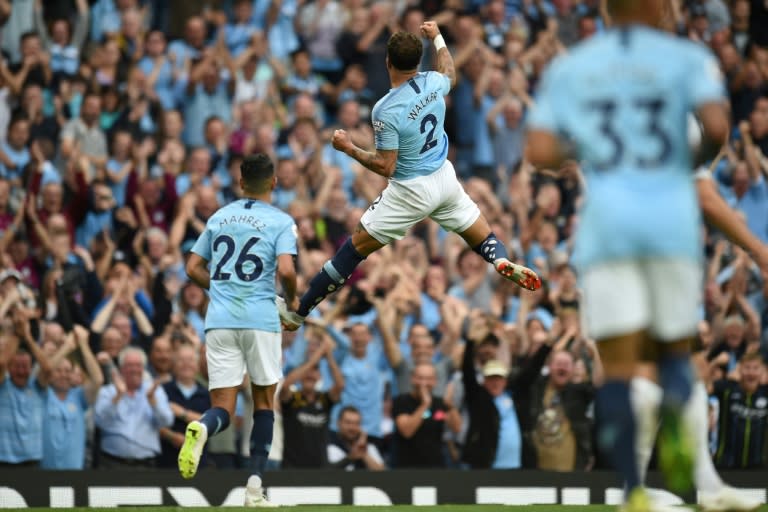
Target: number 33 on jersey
(242,242)
(622,100)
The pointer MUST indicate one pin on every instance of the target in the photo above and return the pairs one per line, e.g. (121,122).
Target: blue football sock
(332,277)
(616,431)
(215,420)
(261,439)
(491,249)
(676,378)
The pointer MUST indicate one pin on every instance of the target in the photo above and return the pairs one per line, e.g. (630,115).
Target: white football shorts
(232,352)
(403,204)
(662,296)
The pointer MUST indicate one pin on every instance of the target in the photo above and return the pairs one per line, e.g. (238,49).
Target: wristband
(439,42)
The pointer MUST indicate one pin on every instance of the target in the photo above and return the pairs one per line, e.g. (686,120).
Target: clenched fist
(341,140)
(430,29)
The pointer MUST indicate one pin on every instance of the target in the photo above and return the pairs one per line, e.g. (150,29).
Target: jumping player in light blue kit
(620,101)
(246,243)
(411,151)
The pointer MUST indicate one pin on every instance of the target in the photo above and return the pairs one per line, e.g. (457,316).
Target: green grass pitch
(350,508)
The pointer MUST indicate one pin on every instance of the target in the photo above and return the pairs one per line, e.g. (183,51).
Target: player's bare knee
(676,347)
(224,398)
(263,396)
(620,355)
(477,232)
(364,243)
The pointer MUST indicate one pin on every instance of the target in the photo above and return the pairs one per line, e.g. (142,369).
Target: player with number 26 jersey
(244,249)
(242,241)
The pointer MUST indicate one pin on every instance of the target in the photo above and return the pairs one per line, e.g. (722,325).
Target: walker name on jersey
(423,102)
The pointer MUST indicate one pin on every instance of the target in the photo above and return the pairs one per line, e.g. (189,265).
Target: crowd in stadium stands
(122,127)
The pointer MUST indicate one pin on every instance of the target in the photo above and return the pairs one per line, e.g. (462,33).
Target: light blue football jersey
(242,242)
(622,99)
(410,118)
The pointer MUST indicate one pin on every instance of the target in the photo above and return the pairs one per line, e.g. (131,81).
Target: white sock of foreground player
(646,398)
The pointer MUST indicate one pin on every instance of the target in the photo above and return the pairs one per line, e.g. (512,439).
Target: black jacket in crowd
(483,434)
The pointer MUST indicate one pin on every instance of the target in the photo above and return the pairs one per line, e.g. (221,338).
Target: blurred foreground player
(624,113)
(246,243)
(714,494)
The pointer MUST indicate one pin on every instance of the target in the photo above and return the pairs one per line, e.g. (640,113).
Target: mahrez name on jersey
(417,108)
(244,219)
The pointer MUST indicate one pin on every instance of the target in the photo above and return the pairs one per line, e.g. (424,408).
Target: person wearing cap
(494,438)
(10,280)
(15,244)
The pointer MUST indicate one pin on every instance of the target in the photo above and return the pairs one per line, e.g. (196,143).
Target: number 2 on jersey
(430,143)
(653,107)
(243,258)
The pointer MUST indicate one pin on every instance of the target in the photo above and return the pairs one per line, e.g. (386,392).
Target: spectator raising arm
(296,374)
(8,347)
(750,152)
(137,312)
(336,375)
(102,318)
(24,332)
(386,321)
(92,366)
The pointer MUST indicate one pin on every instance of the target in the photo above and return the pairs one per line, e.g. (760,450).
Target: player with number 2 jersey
(411,151)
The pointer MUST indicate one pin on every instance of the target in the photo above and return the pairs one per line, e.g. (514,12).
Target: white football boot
(727,499)
(254,494)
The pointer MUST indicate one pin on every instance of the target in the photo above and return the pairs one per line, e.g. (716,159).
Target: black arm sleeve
(532,369)
(468,376)
(163,305)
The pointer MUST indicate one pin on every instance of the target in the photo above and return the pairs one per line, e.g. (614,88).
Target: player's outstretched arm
(197,270)
(717,212)
(445,63)
(714,124)
(381,161)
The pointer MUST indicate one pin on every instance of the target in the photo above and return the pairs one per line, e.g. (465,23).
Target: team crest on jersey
(761,402)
